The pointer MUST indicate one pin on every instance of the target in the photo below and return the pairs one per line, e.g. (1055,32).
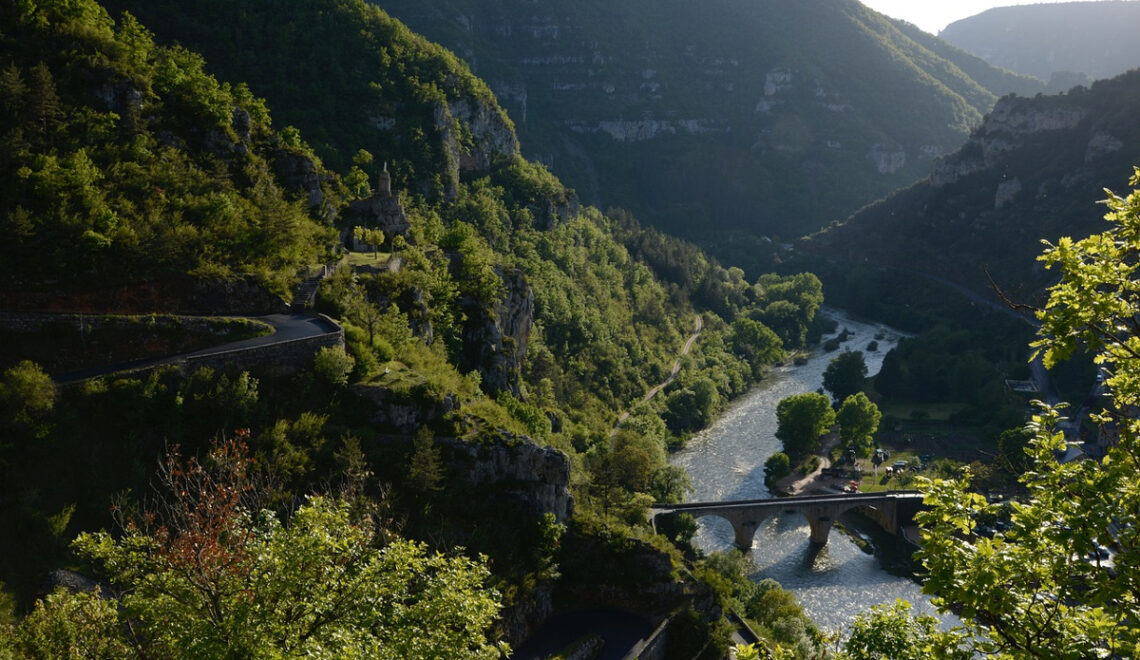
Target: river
(726,462)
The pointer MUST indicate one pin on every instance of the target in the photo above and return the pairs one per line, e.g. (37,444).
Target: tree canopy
(1043,588)
(802,419)
(845,374)
(202,573)
(858,420)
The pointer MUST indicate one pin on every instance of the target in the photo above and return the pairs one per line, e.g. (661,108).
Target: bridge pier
(820,529)
(743,531)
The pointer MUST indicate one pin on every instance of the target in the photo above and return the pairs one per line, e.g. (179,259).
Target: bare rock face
(474,135)
(299,172)
(534,478)
(495,340)
(1006,129)
(404,411)
(380,211)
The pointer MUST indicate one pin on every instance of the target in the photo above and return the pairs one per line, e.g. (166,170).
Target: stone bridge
(891,510)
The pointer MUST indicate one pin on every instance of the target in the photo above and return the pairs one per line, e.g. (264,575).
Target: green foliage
(801,420)
(168,174)
(891,632)
(425,470)
(26,392)
(773,611)
(757,343)
(845,374)
(212,578)
(858,420)
(1040,589)
(68,625)
(334,365)
(692,407)
(350,78)
(776,467)
(788,305)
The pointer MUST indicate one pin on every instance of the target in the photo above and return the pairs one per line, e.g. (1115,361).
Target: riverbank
(835,582)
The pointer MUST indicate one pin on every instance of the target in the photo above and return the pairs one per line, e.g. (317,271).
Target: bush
(333,365)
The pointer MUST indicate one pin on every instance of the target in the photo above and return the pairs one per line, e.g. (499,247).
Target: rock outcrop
(495,339)
(382,210)
(1013,122)
(473,135)
(300,173)
(405,411)
(535,479)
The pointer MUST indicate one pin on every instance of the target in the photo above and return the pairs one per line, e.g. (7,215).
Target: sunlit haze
(934,16)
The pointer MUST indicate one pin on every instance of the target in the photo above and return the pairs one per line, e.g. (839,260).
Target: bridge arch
(820,510)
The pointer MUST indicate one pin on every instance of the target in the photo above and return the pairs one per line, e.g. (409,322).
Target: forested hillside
(495,329)
(725,115)
(1029,172)
(125,161)
(1060,40)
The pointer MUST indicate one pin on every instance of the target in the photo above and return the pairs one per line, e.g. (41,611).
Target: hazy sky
(933,15)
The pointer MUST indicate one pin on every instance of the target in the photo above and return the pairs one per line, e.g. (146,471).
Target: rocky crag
(1031,171)
(725,115)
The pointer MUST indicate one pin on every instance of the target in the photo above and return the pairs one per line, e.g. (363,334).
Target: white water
(726,462)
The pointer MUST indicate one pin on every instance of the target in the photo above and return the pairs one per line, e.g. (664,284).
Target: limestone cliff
(495,339)
(521,473)
(1034,169)
(726,114)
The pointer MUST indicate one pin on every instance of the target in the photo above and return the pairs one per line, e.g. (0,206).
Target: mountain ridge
(1059,40)
(723,116)
(1029,172)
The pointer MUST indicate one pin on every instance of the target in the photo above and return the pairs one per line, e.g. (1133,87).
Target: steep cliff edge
(1028,173)
(720,115)
(386,90)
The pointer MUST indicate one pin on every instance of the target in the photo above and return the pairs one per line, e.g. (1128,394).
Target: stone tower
(384,186)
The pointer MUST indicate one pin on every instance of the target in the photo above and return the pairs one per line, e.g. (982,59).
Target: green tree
(858,420)
(202,574)
(801,420)
(26,391)
(776,467)
(757,343)
(845,374)
(1035,590)
(68,625)
(891,632)
(333,365)
(425,469)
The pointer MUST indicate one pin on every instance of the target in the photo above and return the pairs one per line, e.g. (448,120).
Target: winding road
(286,328)
(698,326)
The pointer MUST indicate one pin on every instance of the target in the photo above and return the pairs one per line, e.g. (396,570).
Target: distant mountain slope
(1030,172)
(771,117)
(1094,38)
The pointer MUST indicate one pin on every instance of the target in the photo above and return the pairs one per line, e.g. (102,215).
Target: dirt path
(791,485)
(698,326)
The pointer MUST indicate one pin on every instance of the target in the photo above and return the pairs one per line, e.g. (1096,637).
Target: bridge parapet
(745,516)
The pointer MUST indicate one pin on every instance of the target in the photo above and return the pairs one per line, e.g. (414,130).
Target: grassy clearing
(367,258)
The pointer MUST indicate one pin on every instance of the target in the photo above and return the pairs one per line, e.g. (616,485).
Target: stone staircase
(307,292)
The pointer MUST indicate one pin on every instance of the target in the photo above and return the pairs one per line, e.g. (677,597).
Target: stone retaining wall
(284,358)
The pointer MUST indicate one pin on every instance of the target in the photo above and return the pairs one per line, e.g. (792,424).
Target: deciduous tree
(801,420)
(858,420)
(845,374)
(1040,589)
